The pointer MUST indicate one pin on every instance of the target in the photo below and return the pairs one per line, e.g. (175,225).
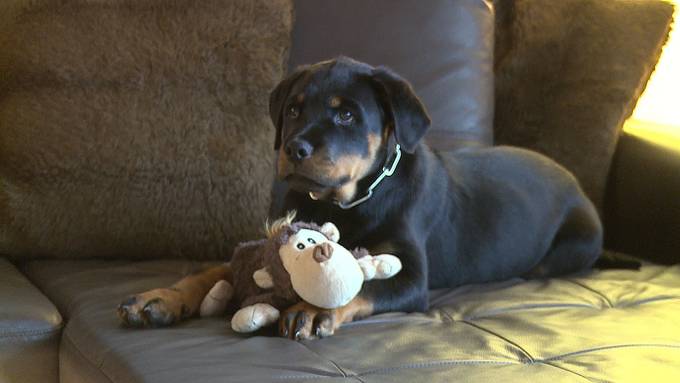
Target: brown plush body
(250,257)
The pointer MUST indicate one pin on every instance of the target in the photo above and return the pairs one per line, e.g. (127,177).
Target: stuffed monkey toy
(297,261)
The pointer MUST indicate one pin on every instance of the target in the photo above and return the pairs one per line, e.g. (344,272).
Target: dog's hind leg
(575,247)
(165,306)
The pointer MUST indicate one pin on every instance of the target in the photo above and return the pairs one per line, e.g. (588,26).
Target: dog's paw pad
(155,308)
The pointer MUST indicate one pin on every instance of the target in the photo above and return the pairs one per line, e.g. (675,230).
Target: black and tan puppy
(350,152)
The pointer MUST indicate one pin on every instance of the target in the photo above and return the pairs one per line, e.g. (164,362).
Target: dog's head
(335,121)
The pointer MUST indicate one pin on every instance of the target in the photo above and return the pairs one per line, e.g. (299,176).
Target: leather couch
(57,316)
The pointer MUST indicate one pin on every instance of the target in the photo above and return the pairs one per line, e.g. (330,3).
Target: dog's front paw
(155,308)
(305,321)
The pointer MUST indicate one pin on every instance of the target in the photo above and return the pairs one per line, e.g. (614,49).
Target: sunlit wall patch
(657,114)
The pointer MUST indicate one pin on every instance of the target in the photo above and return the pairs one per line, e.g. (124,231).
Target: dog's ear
(402,106)
(277,102)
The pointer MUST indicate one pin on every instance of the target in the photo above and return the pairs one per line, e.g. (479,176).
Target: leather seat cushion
(29,330)
(610,325)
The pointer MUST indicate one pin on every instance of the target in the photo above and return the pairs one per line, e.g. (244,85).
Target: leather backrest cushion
(137,128)
(444,48)
(568,74)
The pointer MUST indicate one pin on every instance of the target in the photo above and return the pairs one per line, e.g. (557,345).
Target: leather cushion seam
(97,366)
(604,348)
(29,333)
(406,367)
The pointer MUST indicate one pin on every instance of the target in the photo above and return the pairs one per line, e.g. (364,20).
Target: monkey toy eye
(300,246)
(311,240)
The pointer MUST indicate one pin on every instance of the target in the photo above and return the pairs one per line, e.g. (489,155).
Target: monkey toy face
(322,272)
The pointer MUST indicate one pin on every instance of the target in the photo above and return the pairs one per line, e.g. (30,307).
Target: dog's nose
(323,252)
(298,149)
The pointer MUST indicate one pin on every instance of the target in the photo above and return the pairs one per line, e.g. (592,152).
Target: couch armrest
(642,206)
(30,327)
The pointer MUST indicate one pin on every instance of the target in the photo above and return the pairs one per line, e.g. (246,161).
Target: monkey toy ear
(331,231)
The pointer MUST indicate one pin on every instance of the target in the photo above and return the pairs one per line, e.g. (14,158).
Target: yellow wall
(657,114)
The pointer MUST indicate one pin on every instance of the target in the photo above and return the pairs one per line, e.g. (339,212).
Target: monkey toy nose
(323,252)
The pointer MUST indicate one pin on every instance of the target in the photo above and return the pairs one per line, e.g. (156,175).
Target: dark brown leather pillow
(568,74)
(444,48)
(136,128)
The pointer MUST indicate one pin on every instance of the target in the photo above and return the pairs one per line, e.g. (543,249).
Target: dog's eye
(293,112)
(311,240)
(344,117)
(300,246)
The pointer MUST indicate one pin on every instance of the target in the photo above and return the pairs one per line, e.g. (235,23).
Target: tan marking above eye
(335,102)
(300,98)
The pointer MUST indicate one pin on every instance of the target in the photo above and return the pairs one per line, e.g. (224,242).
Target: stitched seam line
(595,349)
(495,313)
(609,303)
(21,334)
(439,363)
(650,300)
(97,366)
(447,315)
(298,377)
(566,370)
(337,367)
(525,352)
(521,349)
